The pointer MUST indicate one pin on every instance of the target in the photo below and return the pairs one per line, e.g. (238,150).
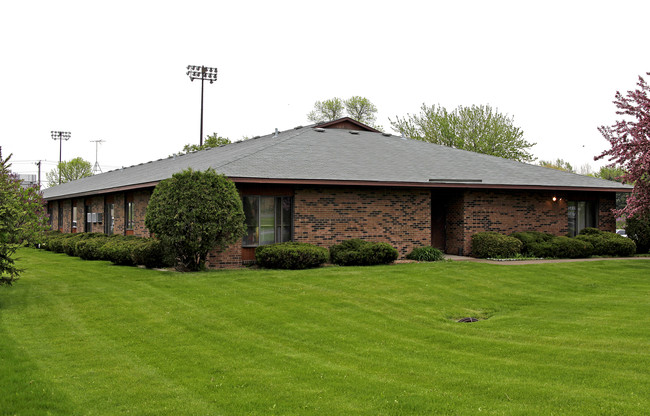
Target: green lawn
(81,338)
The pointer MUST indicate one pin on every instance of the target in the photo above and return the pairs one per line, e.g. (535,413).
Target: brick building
(338,180)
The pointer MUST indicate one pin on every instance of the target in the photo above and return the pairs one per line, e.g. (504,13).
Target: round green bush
(291,256)
(426,253)
(193,213)
(609,244)
(357,252)
(490,244)
(530,238)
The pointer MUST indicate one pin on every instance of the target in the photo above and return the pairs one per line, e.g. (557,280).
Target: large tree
(211,140)
(194,212)
(356,107)
(630,145)
(72,170)
(361,109)
(327,110)
(477,128)
(22,219)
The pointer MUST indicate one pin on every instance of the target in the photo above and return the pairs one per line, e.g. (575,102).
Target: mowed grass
(90,338)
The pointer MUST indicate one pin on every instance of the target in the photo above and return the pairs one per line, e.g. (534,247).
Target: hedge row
(353,252)
(591,241)
(118,249)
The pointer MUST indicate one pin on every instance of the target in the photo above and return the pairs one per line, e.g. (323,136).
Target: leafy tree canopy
(194,212)
(558,164)
(477,128)
(357,108)
(22,219)
(211,140)
(72,170)
(630,145)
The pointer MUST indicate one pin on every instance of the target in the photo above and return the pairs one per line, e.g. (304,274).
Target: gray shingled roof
(312,154)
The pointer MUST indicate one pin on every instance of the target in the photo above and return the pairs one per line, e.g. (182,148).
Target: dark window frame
(585,215)
(282,226)
(129,215)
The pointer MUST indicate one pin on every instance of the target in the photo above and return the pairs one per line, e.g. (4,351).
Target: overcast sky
(117,70)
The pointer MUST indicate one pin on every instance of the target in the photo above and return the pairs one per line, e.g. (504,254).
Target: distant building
(27,180)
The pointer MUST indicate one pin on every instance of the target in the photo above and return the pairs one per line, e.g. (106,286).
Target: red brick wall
(510,211)
(606,219)
(327,216)
(229,258)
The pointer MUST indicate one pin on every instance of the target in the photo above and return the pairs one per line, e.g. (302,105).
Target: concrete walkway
(519,262)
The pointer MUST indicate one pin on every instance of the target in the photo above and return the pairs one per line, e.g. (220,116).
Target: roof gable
(347,123)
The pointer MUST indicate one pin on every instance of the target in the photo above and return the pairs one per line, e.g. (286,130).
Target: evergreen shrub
(490,244)
(529,238)
(608,244)
(357,252)
(426,253)
(291,256)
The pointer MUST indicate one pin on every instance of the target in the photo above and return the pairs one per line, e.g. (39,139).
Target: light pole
(203,73)
(60,136)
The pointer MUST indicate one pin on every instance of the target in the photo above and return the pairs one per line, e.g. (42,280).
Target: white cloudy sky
(116,70)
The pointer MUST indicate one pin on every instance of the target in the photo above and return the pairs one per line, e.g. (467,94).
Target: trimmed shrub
(118,250)
(637,229)
(492,244)
(529,238)
(90,249)
(151,253)
(562,247)
(70,243)
(426,253)
(55,243)
(357,252)
(609,244)
(291,256)
(193,213)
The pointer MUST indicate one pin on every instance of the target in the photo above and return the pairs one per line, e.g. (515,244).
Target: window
(268,219)
(59,220)
(109,224)
(130,215)
(74,216)
(582,214)
(50,212)
(88,217)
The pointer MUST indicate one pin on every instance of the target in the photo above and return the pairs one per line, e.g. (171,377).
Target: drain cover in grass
(468,319)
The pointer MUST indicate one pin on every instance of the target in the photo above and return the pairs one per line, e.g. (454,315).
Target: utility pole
(39,173)
(96,167)
(60,136)
(203,73)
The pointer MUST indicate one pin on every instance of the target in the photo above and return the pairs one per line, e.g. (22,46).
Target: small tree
(326,110)
(22,219)
(212,140)
(72,170)
(630,145)
(194,212)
